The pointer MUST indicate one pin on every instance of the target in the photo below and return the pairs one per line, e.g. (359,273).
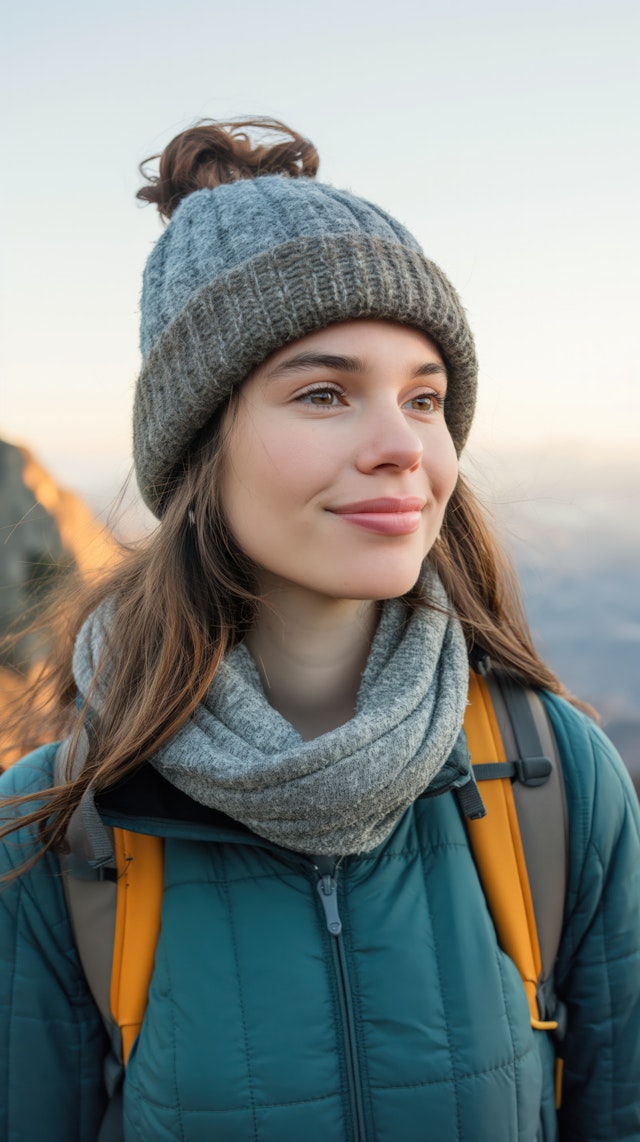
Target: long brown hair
(183,597)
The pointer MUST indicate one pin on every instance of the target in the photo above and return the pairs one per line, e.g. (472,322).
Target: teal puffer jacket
(410,1024)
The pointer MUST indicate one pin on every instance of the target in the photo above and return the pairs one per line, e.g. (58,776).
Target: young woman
(275,683)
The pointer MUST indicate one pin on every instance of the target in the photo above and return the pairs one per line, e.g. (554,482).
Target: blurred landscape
(569,517)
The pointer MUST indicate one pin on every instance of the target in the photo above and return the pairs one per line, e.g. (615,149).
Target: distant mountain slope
(571,520)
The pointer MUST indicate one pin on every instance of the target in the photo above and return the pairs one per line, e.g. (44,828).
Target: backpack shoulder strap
(140,886)
(520,847)
(90,893)
(114,907)
(541,806)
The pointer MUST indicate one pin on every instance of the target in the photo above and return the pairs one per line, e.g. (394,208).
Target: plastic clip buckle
(533,770)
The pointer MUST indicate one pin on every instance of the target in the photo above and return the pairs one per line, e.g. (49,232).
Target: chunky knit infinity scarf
(344,791)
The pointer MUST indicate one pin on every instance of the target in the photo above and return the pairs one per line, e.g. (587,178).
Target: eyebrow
(305,361)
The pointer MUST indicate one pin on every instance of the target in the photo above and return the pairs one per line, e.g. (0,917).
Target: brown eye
(321,397)
(426,402)
(326,396)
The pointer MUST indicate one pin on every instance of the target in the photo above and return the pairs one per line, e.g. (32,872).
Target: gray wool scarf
(344,791)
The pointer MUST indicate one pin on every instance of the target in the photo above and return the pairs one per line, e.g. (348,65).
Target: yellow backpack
(519,847)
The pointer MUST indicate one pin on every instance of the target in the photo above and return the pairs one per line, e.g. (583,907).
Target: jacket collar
(147,803)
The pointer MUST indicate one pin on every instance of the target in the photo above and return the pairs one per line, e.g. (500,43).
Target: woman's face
(340,463)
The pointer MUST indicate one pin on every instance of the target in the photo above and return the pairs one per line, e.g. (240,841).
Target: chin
(377,588)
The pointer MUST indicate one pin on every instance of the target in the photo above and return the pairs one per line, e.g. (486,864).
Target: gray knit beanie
(248,267)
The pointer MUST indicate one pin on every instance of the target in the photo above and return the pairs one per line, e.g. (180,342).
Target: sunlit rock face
(32,554)
(86,541)
(46,533)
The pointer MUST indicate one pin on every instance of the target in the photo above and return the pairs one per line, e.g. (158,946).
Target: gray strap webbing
(91,897)
(541,807)
(91,903)
(494,770)
(92,911)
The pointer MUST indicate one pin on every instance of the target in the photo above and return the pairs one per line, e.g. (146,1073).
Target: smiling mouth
(385,523)
(383,504)
(384,516)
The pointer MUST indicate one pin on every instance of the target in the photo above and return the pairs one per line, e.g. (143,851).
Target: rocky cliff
(45,533)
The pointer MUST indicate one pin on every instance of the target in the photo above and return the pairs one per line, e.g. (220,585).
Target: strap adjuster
(533,770)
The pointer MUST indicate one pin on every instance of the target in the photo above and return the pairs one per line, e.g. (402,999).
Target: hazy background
(503,134)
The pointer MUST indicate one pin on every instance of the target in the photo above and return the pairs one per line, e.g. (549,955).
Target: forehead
(364,339)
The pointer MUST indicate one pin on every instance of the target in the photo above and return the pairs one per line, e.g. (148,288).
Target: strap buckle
(533,770)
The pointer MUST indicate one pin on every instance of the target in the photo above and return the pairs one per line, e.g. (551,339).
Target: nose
(389,440)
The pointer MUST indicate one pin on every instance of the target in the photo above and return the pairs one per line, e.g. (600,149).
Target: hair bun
(212,153)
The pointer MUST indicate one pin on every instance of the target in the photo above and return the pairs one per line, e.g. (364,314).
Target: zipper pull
(328,892)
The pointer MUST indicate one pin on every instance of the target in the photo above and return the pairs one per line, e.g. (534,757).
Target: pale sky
(503,134)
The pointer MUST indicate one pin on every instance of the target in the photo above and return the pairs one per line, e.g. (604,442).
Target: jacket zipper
(327,886)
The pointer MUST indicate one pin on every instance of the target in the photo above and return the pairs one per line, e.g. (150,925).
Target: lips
(382,505)
(385,515)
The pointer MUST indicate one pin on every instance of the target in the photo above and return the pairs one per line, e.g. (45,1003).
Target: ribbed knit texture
(342,792)
(251,266)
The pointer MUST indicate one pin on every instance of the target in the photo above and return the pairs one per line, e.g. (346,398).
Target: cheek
(441,462)
(268,470)
(271,461)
